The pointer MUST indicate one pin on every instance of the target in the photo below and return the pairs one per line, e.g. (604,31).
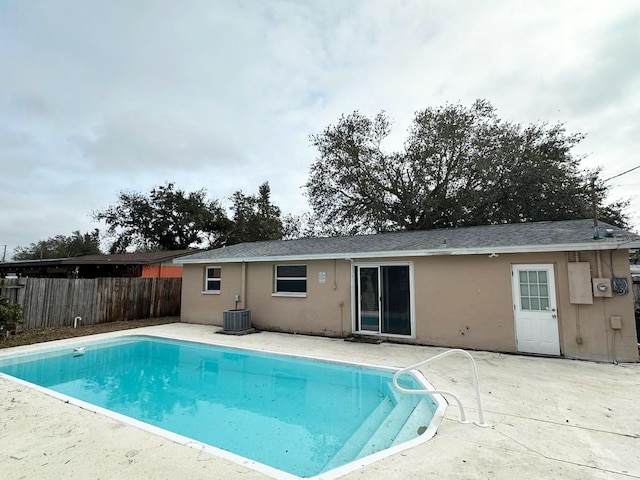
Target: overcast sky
(97,97)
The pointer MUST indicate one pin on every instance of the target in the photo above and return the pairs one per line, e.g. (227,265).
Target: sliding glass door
(368,299)
(383,299)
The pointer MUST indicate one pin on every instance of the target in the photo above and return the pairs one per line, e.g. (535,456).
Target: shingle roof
(511,238)
(135,258)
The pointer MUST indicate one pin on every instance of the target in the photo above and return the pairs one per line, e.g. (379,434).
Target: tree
(255,218)
(307,225)
(166,218)
(459,167)
(61,247)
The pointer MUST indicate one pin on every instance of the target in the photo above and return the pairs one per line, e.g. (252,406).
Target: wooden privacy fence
(54,302)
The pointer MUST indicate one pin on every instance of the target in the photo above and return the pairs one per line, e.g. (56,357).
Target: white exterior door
(535,309)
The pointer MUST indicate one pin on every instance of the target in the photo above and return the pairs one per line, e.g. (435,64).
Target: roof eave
(608,245)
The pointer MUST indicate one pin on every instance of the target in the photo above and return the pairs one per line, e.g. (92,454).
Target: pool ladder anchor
(474,374)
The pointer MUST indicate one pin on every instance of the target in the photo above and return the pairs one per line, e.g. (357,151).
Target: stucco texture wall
(199,306)
(325,310)
(465,301)
(460,301)
(586,329)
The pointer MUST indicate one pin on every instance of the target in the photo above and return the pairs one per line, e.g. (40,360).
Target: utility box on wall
(580,283)
(620,285)
(602,287)
(616,322)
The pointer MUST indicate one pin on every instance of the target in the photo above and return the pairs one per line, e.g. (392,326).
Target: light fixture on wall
(493,255)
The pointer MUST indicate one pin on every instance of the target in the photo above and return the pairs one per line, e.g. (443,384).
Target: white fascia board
(421,253)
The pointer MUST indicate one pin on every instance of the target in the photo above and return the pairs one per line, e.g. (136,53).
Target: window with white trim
(291,279)
(212,279)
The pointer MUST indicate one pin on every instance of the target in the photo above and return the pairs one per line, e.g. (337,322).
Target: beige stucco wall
(460,301)
(325,310)
(592,322)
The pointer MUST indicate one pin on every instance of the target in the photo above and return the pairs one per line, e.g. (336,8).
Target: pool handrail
(474,373)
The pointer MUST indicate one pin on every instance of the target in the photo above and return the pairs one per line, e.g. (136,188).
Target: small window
(212,279)
(534,290)
(291,279)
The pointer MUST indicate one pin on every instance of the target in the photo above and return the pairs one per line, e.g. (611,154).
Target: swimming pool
(289,414)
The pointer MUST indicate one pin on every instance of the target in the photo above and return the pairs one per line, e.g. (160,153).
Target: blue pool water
(301,416)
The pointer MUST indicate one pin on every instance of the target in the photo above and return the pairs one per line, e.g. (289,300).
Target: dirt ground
(39,335)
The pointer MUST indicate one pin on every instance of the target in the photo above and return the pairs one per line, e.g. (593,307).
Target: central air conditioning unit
(237,320)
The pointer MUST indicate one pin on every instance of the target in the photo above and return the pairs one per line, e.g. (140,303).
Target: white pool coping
(549,418)
(277,474)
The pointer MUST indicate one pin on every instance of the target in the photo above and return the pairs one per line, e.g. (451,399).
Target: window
(212,279)
(534,290)
(291,279)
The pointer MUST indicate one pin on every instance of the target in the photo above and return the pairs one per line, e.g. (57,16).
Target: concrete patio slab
(549,418)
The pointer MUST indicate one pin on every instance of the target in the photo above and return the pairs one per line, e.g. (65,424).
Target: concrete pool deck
(548,418)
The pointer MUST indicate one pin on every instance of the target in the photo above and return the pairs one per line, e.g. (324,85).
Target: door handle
(554,316)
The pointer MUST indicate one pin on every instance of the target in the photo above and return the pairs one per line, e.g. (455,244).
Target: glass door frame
(355,298)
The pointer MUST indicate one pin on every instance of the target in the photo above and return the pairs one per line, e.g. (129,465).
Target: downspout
(352,292)
(579,340)
(599,261)
(341,302)
(243,287)
(335,274)
(613,340)
(604,310)
(596,230)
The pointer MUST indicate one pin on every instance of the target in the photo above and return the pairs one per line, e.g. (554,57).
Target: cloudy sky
(97,97)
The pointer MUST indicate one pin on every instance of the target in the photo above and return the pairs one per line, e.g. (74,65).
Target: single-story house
(546,288)
(137,264)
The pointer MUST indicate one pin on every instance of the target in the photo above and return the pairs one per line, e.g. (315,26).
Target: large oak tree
(459,166)
(166,218)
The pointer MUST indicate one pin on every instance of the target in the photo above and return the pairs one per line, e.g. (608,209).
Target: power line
(620,174)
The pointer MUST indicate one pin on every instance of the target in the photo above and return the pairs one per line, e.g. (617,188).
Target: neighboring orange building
(162,270)
(136,264)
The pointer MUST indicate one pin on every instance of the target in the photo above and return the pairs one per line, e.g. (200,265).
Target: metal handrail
(474,374)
